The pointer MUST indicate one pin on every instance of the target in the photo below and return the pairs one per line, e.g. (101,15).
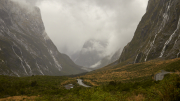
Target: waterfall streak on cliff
(152,44)
(15,73)
(39,69)
(136,58)
(170,38)
(20,60)
(178,54)
(56,62)
(28,67)
(165,19)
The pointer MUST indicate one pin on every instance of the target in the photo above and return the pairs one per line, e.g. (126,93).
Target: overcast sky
(70,23)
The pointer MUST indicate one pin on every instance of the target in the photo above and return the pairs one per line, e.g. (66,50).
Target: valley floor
(120,82)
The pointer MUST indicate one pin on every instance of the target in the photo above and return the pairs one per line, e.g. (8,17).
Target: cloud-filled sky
(70,23)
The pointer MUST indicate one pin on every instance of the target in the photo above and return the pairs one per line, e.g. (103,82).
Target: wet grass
(128,83)
(48,90)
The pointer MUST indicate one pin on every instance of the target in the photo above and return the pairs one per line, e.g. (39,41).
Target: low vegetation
(30,86)
(131,72)
(50,90)
(120,83)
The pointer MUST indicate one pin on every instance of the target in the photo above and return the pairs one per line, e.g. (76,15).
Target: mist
(26,5)
(71,23)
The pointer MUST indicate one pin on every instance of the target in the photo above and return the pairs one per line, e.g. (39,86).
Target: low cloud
(25,5)
(70,23)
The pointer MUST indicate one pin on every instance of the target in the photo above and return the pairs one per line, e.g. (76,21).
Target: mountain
(91,53)
(115,56)
(25,48)
(157,35)
(107,60)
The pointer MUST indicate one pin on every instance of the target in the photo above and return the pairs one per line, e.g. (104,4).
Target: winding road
(81,83)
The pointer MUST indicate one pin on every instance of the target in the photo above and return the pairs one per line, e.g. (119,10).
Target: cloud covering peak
(71,23)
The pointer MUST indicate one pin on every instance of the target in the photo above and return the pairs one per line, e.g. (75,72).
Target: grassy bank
(131,72)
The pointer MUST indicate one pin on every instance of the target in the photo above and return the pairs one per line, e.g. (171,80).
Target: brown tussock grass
(68,82)
(177,72)
(126,72)
(92,83)
(20,98)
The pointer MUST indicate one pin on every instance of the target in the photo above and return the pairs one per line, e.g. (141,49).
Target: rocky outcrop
(25,48)
(157,35)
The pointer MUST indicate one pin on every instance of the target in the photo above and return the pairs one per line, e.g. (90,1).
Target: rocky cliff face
(25,48)
(157,35)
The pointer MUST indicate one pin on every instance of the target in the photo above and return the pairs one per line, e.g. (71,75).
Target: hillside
(25,48)
(107,60)
(132,72)
(157,35)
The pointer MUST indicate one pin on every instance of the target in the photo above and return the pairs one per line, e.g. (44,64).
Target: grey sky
(70,23)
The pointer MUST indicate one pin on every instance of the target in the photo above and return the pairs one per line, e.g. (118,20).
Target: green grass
(35,85)
(167,90)
(175,66)
(114,86)
(48,88)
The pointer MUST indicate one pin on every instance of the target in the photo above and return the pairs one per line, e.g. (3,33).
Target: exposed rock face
(157,35)
(25,48)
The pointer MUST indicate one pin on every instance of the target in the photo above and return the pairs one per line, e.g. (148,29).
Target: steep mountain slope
(107,60)
(91,53)
(157,35)
(25,48)
(115,56)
